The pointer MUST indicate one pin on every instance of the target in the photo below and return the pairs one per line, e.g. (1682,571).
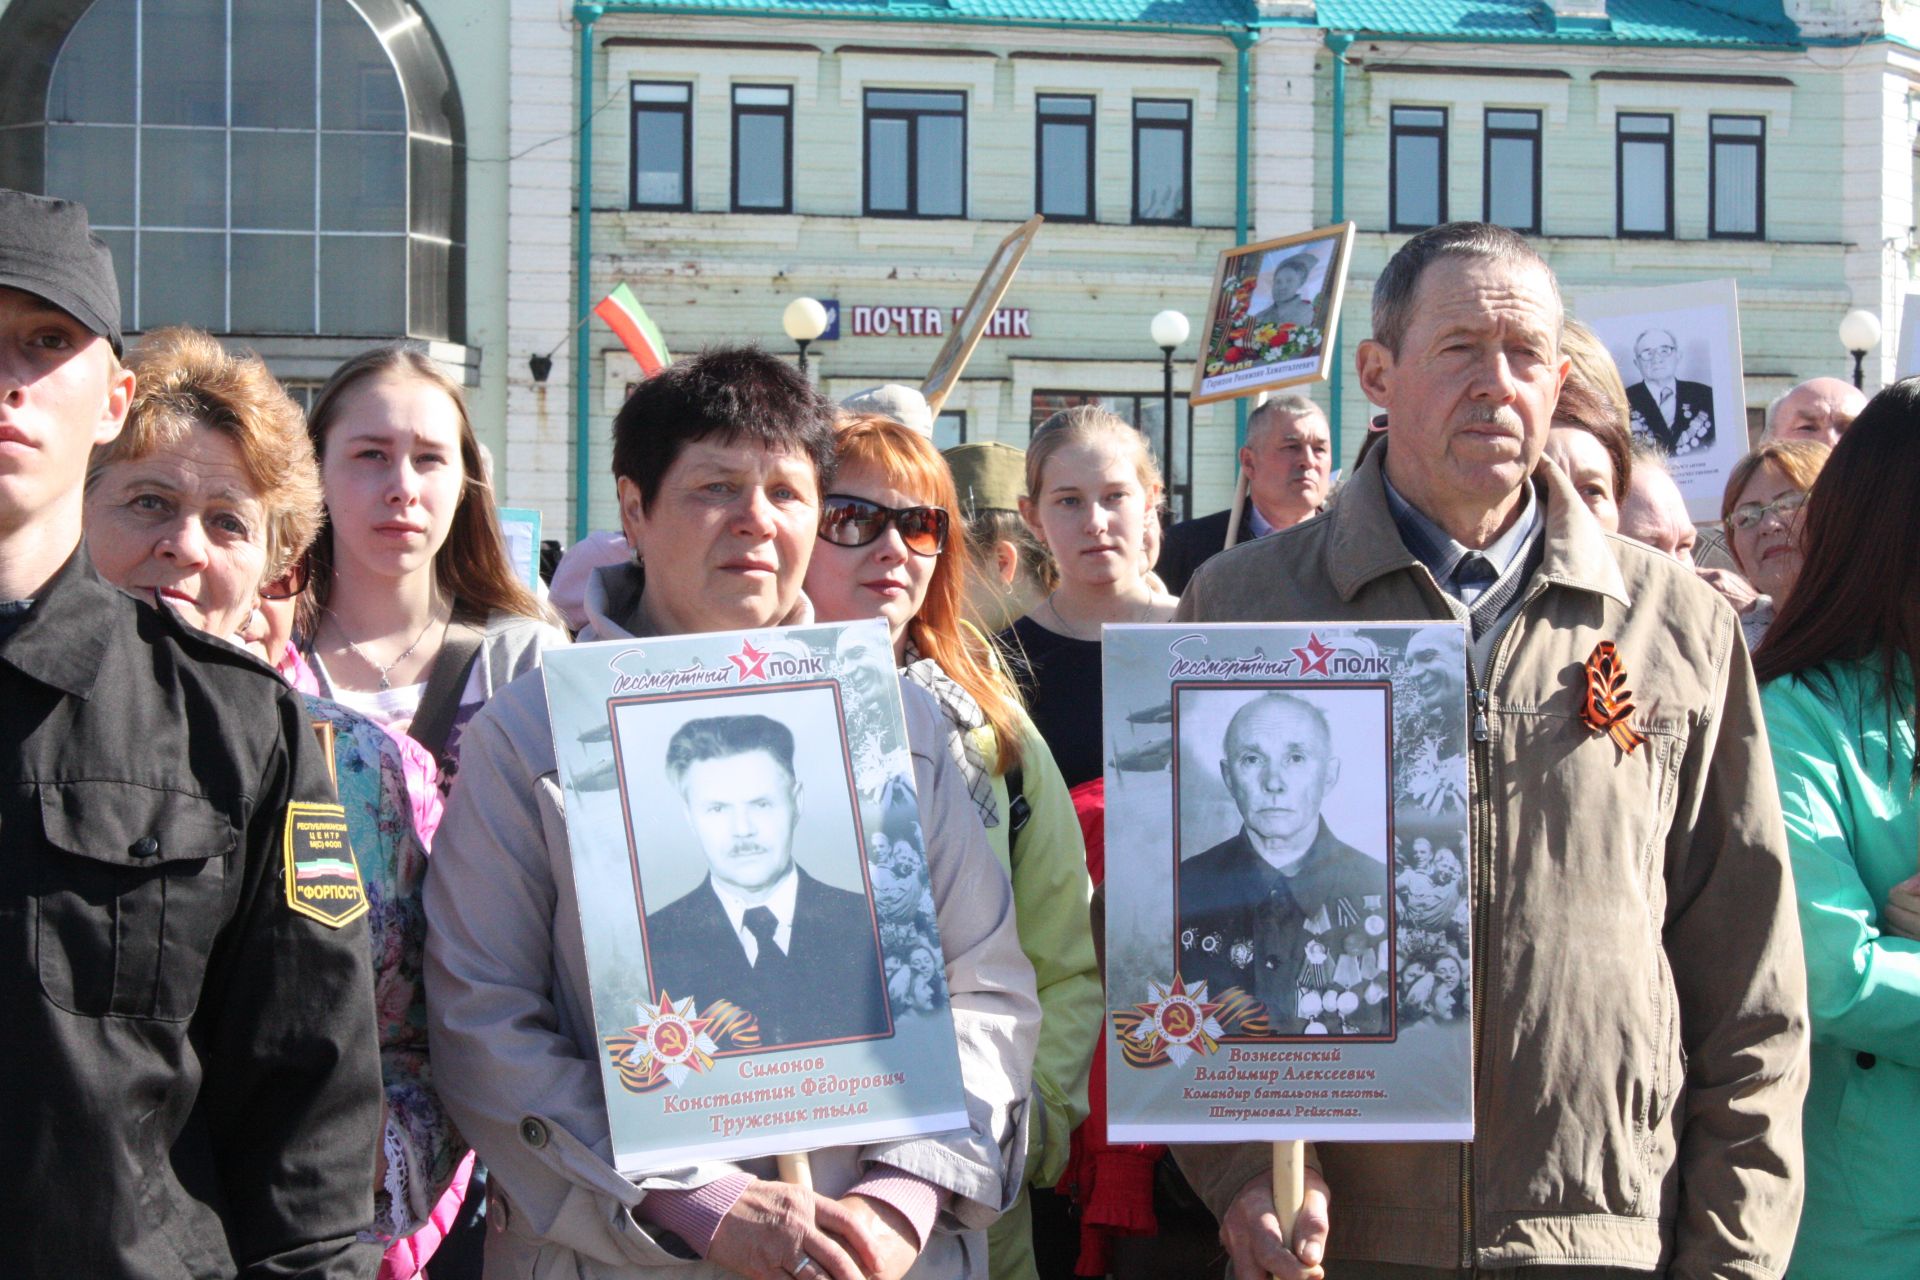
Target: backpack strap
(440,700)
(1018,810)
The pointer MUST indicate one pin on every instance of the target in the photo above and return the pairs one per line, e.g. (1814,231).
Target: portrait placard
(1288,911)
(1678,350)
(1906,361)
(762,954)
(1271,320)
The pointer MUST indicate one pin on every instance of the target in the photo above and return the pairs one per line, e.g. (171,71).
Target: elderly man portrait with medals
(1284,909)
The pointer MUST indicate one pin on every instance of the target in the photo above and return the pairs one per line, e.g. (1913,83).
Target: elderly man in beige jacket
(1638,996)
(719,462)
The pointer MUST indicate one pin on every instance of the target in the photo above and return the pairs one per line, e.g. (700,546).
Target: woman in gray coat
(718,461)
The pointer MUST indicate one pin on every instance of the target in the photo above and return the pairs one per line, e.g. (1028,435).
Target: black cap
(47,249)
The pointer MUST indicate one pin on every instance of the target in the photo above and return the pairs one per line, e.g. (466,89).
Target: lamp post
(1169,330)
(804,320)
(1859,334)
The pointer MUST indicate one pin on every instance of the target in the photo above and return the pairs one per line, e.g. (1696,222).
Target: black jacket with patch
(192,1085)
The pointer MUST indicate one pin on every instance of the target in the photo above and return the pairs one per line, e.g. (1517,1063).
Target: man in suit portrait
(1288,458)
(800,956)
(1666,411)
(1284,909)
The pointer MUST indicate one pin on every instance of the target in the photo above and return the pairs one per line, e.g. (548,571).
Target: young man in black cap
(192,1084)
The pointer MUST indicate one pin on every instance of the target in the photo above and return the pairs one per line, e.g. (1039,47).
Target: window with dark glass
(762,149)
(1512,189)
(1643,146)
(1417,173)
(1163,162)
(1146,410)
(1063,175)
(1737,177)
(916,159)
(662,146)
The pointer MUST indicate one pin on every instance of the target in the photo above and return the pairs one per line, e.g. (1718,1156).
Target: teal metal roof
(1672,22)
(1171,13)
(1528,21)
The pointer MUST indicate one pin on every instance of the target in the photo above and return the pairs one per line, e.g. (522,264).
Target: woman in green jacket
(1839,663)
(890,547)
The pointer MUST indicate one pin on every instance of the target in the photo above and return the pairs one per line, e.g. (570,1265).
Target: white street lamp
(1169,330)
(1859,333)
(804,320)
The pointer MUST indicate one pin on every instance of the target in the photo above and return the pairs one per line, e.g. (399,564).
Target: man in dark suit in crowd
(1677,416)
(1288,458)
(801,957)
(1271,908)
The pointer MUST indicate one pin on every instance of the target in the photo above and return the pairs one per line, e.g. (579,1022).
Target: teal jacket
(1845,763)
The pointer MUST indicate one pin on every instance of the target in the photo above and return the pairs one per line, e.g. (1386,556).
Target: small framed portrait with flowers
(1271,320)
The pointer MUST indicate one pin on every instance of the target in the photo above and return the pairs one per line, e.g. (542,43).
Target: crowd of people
(235,636)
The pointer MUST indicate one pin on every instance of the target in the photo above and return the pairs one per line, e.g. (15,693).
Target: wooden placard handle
(797,1169)
(1240,486)
(1289,1185)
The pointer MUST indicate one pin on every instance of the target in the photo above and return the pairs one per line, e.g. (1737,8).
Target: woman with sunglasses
(889,548)
(204,500)
(1761,514)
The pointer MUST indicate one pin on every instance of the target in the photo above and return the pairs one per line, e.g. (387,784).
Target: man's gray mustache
(1499,415)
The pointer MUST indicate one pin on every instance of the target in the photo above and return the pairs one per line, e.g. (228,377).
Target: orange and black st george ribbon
(1609,704)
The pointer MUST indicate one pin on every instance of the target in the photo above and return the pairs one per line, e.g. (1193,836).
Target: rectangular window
(1063,173)
(1163,162)
(1417,174)
(662,146)
(1643,147)
(1737,177)
(1146,410)
(762,149)
(916,154)
(1512,190)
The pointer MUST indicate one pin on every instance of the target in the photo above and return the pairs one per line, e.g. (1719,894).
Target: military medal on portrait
(1288,912)
(764,963)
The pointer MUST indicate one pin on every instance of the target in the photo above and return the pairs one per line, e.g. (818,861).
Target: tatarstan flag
(635,329)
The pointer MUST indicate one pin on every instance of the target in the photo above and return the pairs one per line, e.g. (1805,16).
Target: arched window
(258,166)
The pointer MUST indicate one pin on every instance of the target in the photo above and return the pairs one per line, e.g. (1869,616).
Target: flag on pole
(635,329)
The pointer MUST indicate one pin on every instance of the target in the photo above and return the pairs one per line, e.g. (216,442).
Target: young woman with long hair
(413,615)
(891,547)
(1839,666)
(1092,487)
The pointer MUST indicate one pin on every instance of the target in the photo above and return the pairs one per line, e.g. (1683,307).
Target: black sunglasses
(847,521)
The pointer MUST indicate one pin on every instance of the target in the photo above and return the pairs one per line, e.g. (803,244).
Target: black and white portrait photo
(1678,351)
(1284,889)
(751,865)
(1673,413)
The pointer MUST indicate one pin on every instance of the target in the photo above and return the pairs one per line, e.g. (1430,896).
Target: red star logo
(1313,658)
(750,662)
